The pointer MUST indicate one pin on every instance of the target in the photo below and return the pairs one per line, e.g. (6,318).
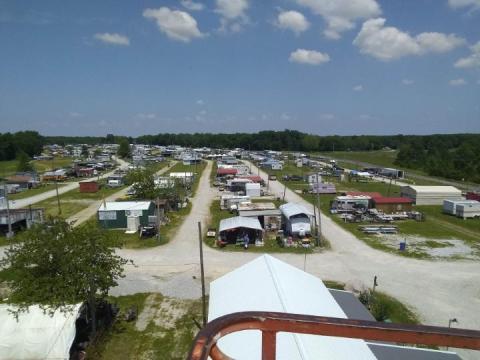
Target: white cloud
(474,4)
(407,82)
(192,6)
(389,43)
(311,57)
(233,14)
(114,39)
(358,88)
(457,82)
(341,15)
(200,102)
(176,24)
(438,43)
(365,116)
(147,116)
(471,61)
(292,20)
(75,114)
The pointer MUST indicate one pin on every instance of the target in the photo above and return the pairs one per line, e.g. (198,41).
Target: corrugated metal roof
(268,284)
(238,222)
(434,189)
(125,205)
(291,209)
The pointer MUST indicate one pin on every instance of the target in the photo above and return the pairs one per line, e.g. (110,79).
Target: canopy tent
(292,209)
(239,222)
(36,334)
(278,286)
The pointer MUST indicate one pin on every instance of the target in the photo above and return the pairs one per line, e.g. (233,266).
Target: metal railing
(270,323)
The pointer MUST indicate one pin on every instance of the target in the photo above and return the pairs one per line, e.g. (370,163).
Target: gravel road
(22,203)
(436,290)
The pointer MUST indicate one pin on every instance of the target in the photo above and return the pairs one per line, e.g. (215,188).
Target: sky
(345,67)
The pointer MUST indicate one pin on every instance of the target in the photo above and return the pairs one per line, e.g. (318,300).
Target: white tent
(36,334)
(291,209)
(267,284)
(239,222)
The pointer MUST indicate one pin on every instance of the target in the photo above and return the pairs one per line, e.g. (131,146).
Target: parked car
(272,177)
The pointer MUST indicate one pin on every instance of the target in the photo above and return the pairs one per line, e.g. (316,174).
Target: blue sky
(319,66)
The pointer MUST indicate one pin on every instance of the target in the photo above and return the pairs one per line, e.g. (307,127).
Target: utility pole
(202,273)
(284,191)
(9,220)
(389,186)
(319,230)
(158,219)
(56,187)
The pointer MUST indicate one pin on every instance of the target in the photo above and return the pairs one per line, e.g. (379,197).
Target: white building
(430,195)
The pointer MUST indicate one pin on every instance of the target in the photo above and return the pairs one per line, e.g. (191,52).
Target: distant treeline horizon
(455,156)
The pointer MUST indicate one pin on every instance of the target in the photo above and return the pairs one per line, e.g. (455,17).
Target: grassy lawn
(32,192)
(213,174)
(74,201)
(56,163)
(166,332)
(270,243)
(383,158)
(8,168)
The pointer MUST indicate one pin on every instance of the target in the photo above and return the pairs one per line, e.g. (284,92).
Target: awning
(239,222)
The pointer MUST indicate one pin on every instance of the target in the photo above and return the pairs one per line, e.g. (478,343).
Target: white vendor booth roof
(268,284)
(37,335)
(291,209)
(239,222)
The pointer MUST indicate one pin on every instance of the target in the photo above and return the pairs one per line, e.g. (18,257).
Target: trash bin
(403,246)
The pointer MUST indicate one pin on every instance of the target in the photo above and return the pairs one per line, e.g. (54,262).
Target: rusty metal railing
(270,323)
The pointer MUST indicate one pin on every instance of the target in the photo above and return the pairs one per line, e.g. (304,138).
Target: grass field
(383,158)
(32,192)
(8,168)
(74,201)
(166,329)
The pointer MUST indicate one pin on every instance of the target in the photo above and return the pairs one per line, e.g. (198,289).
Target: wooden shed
(89,186)
(391,205)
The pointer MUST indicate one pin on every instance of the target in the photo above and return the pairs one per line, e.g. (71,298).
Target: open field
(32,192)
(74,201)
(56,163)
(383,158)
(8,168)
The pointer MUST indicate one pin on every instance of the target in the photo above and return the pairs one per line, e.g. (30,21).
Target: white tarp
(238,222)
(268,284)
(36,335)
(291,209)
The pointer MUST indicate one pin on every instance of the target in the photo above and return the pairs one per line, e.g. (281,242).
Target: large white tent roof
(435,189)
(268,284)
(36,334)
(291,209)
(238,222)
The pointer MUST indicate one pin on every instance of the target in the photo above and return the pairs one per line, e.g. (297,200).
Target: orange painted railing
(270,323)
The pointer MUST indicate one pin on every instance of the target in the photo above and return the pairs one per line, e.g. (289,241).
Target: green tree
(84,152)
(24,162)
(124,148)
(56,266)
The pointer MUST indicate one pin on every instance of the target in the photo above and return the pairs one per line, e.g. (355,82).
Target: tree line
(448,155)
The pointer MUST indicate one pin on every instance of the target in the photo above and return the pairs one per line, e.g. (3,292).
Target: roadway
(23,203)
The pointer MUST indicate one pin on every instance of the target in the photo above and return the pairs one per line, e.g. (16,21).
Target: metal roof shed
(239,222)
(267,284)
(292,209)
